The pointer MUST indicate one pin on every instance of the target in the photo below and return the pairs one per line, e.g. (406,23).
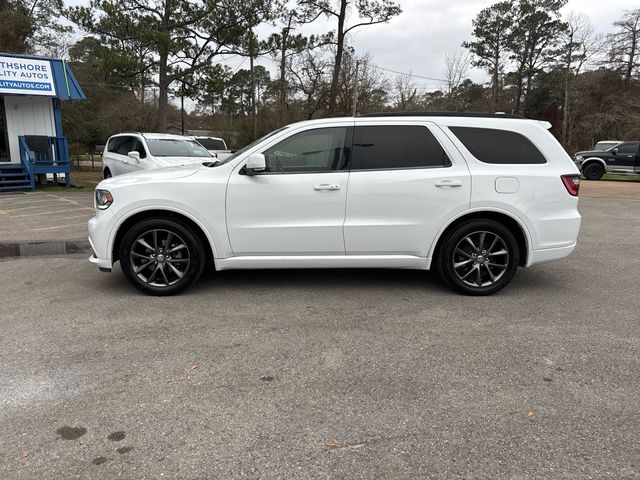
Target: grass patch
(617,176)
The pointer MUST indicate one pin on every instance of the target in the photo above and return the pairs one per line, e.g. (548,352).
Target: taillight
(572,184)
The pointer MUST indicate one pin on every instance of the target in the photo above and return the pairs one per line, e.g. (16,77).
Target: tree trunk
(333,93)
(516,109)
(163,92)
(565,109)
(632,58)
(282,101)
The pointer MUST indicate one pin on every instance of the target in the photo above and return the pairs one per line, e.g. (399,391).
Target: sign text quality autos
(26,76)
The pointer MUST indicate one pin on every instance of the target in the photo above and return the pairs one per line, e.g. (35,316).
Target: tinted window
(211,143)
(125,145)
(318,150)
(396,146)
(169,147)
(628,148)
(115,143)
(137,146)
(498,146)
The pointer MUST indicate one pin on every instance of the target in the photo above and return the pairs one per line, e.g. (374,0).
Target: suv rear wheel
(593,171)
(479,257)
(161,256)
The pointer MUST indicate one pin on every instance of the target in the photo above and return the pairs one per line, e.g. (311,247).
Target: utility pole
(355,90)
(182,106)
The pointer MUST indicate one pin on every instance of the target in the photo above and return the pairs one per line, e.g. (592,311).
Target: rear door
(407,179)
(624,157)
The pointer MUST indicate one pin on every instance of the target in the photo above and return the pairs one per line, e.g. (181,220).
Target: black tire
(172,250)
(593,171)
(106,173)
(458,263)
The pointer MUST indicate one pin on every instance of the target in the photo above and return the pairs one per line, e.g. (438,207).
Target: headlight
(578,158)
(103,199)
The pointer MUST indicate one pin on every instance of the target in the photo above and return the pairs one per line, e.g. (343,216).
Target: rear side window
(628,148)
(211,143)
(396,146)
(498,146)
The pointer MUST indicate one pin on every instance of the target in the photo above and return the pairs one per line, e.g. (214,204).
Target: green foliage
(30,26)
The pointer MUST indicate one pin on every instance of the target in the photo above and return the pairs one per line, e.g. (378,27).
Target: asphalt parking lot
(327,374)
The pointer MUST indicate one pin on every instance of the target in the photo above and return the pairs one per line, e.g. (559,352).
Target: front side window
(311,151)
(138,147)
(490,145)
(125,145)
(396,146)
(628,148)
(170,147)
(211,143)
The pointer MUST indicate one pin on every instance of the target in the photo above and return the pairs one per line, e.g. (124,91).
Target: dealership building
(31,138)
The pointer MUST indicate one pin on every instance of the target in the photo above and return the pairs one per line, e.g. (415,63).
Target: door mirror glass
(614,151)
(134,155)
(256,163)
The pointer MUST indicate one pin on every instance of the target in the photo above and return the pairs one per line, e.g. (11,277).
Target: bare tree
(625,44)
(457,67)
(405,92)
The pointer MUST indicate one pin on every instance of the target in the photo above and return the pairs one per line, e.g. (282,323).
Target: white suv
(132,152)
(473,196)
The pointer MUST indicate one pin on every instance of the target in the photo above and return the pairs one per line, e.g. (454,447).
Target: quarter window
(396,146)
(490,145)
(319,150)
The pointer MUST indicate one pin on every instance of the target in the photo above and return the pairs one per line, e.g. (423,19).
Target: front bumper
(103,264)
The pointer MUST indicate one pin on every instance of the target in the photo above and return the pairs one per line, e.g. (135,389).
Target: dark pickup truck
(623,158)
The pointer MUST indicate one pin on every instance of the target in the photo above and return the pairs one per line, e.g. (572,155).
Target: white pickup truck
(216,146)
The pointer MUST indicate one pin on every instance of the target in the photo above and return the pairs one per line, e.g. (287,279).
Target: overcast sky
(417,40)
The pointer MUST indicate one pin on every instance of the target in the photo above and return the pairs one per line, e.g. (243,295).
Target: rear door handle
(327,186)
(448,183)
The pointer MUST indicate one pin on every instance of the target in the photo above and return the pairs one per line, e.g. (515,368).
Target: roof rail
(444,114)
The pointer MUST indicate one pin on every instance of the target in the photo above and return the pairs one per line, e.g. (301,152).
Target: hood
(176,161)
(593,153)
(156,174)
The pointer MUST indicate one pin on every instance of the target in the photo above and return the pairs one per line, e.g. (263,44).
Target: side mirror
(256,163)
(614,151)
(134,155)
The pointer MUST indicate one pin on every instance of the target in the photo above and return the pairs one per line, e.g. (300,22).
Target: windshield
(173,147)
(211,143)
(251,145)
(604,146)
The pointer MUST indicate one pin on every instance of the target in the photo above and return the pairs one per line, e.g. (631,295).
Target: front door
(4,139)
(624,158)
(296,207)
(403,186)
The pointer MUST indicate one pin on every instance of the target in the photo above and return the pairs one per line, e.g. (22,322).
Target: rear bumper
(550,254)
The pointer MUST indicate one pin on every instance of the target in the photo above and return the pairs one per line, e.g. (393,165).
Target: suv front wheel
(479,257)
(161,256)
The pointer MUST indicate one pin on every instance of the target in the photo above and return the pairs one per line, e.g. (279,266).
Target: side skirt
(323,261)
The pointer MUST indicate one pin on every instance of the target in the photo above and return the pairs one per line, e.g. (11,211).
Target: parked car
(216,146)
(471,196)
(623,158)
(132,152)
(604,145)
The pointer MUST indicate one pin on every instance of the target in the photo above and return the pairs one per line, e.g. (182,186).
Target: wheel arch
(520,231)
(137,216)
(589,160)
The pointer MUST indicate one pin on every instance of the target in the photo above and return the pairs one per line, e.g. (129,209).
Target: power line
(408,74)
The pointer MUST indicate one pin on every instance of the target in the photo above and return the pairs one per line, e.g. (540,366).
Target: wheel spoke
(462,263)
(146,257)
(175,270)
(468,239)
(164,275)
(177,260)
(142,242)
(175,249)
(168,241)
(155,239)
(493,244)
(482,237)
(139,268)
(478,276)
(491,275)
(498,265)
(499,252)
(462,252)
(153,276)
(475,267)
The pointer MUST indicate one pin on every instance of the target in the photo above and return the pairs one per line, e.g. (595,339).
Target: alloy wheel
(160,258)
(480,259)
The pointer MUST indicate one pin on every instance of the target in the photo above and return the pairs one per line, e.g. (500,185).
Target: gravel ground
(327,374)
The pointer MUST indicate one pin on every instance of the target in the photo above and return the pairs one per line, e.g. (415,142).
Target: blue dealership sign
(26,76)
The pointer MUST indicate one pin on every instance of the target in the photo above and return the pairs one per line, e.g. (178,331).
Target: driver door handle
(448,183)
(327,186)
